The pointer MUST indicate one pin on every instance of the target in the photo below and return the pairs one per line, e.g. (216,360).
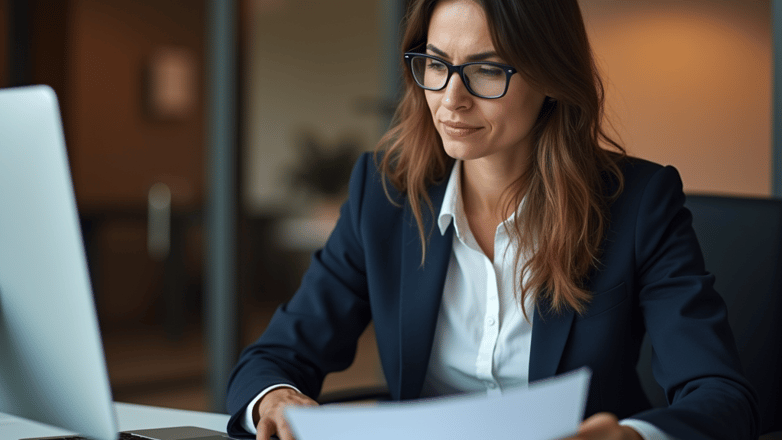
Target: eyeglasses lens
(429,73)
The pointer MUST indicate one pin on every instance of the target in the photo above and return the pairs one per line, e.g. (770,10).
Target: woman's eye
(435,66)
(490,71)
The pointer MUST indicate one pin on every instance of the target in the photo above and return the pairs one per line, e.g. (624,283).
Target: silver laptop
(52,367)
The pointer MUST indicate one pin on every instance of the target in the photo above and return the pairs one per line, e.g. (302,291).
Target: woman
(497,240)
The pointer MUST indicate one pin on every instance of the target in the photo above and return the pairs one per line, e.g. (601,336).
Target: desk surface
(129,416)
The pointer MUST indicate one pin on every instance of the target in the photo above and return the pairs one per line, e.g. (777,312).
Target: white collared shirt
(482,340)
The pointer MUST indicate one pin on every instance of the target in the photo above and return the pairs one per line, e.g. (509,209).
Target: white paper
(546,410)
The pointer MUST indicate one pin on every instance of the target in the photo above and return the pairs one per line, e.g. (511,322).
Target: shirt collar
(452,209)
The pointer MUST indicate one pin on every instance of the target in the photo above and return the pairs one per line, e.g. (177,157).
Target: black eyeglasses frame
(459,69)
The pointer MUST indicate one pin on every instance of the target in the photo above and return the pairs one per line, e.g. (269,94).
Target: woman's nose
(456,96)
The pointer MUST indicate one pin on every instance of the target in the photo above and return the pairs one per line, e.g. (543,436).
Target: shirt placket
(484,364)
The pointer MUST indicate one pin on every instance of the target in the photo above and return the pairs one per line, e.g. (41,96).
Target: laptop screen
(52,367)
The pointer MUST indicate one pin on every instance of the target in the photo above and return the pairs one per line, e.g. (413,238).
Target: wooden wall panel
(118,149)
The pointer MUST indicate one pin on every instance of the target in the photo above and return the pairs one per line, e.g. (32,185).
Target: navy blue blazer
(651,278)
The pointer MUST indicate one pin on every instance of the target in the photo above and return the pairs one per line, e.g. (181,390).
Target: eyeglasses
(482,79)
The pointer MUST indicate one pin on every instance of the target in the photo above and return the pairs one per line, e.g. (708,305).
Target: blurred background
(310,85)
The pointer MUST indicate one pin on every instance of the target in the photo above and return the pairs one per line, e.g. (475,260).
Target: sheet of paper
(547,410)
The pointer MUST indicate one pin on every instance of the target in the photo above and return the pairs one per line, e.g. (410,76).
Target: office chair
(741,239)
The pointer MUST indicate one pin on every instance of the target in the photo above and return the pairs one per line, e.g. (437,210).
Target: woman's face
(497,130)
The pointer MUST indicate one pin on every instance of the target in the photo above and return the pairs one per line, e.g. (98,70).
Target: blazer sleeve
(694,359)
(317,331)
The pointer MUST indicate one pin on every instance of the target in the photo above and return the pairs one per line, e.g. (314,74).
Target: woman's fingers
(604,426)
(271,412)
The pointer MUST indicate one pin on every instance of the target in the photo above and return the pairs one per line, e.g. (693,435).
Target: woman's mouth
(458,129)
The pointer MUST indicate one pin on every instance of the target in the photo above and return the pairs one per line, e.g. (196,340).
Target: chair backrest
(741,240)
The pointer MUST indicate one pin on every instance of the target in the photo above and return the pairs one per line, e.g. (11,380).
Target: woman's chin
(460,150)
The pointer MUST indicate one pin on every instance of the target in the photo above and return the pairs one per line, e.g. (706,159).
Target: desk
(129,416)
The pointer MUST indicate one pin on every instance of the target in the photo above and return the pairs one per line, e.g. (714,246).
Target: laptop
(52,366)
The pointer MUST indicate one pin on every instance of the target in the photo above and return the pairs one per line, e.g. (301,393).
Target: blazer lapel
(550,331)
(421,292)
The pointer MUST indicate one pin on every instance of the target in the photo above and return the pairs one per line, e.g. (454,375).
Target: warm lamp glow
(689,84)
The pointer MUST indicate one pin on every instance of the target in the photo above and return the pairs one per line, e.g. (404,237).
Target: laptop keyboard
(122,436)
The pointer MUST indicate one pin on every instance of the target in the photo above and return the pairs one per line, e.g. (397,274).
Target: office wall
(310,67)
(689,84)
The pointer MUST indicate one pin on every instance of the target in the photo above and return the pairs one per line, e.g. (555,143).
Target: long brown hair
(561,224)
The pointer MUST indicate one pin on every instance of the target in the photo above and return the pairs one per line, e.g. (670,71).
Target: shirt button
(491,385)
(490,321)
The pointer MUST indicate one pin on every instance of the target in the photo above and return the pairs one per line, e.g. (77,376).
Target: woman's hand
(269,414)
(604,426)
